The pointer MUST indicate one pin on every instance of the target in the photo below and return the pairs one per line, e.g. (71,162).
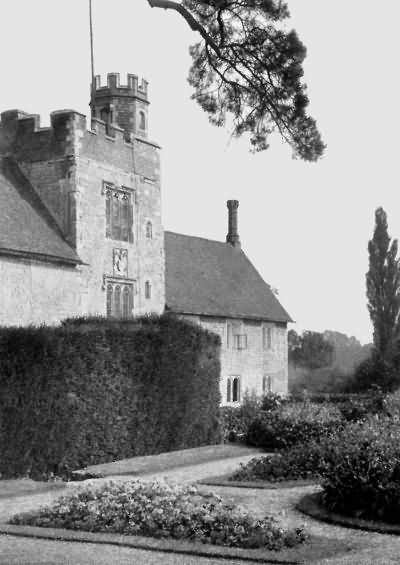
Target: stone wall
(259,367)
(34,292)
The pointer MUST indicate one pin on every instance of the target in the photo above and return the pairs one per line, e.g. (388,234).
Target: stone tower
(97,184)
(125,106)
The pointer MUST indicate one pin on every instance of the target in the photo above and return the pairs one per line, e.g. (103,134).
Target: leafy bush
(361,471)
(97,390)
(235,420)
(292,424)
(162,510)
(357,407)
(298,462)
(273,401)
(375,372)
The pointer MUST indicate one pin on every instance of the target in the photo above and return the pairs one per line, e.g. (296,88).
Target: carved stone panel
(120,262)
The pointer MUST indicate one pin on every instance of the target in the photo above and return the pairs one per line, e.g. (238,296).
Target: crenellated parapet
(114,88)
(124,105)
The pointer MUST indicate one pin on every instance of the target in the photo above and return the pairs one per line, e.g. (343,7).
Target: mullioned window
(119,300)
(119,215)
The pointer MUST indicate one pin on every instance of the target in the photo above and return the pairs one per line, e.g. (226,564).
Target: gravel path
(29,551)
(368,548)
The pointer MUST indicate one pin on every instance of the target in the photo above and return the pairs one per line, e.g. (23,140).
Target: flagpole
(93,86)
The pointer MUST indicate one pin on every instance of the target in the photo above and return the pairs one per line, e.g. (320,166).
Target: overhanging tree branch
(190,19)
(251,68)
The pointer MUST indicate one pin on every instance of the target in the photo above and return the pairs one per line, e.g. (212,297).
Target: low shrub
(360,407)
(273,401)
(293,423)
(235,420)
(300,462)
(361,470)
(161,510)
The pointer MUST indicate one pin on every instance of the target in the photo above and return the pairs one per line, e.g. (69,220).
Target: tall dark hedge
(94,390)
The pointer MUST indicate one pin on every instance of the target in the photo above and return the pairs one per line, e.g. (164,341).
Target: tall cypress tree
(383,288)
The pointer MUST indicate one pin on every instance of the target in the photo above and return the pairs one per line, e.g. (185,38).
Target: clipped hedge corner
(95,390)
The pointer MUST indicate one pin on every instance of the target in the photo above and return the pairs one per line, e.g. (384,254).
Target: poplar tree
(383,288)
(249,66)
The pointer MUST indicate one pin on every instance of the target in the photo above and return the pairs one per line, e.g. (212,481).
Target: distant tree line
(334,362)
(323,362)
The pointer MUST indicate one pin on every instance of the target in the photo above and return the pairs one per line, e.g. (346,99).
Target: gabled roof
(27,229)
(216,279)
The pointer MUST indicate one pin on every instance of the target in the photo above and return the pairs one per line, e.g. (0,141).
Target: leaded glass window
(119,300)
(119,215)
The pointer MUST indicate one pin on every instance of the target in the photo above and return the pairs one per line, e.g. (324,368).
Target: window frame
(267,338)
(147,290)
(119,212)
(240,342)
(116,292)
(267,384)
(236,398)
(142,119)
(236,338)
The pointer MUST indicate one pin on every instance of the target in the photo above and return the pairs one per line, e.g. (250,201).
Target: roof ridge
(199,237)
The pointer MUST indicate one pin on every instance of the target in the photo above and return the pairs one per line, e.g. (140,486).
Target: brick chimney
(233,236)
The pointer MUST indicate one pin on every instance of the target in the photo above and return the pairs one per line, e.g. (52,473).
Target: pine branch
(190,19)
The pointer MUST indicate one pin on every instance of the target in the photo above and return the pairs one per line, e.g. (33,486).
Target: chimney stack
(233,236)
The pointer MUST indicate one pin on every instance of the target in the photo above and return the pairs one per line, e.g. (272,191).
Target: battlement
(114,88)
(19,124)
(22,135)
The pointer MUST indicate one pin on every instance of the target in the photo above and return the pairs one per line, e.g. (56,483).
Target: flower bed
(162,510)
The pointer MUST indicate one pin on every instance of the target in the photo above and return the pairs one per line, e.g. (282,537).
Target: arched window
(149,230)
(108,213)
(236,389)
(109,299)
(125,205)
(147,289)
(116,217)
(126,306)
(119,215)
(228,390)
(117,301)
(267,384)
(142,120)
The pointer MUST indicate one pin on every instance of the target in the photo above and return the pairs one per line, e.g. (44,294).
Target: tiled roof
(26,226)
(213,278)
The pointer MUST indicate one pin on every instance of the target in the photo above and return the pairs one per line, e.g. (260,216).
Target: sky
(305,226)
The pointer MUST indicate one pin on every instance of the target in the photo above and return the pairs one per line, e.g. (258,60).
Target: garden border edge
(310,505)
(147,543)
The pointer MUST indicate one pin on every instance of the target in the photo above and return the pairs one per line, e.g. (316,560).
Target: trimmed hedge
(95,390)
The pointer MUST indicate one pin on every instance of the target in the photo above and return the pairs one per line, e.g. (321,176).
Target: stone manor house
(81,233)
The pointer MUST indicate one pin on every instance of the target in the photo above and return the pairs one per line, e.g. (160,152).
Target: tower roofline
(114,88)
